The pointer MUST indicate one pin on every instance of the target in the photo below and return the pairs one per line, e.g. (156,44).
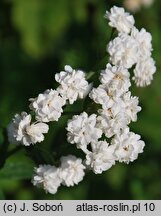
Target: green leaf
(17,170)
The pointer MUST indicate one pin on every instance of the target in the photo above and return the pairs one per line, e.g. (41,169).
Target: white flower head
(22,131)
(82,130)
(116,78)
(123,50)
(47,176)
(120,19)
(127,146)
(71,171)
(144,39)
(113,72)
(100,96)
(143,72)
(73,84)
(101,158)
(48,106)
(113,119)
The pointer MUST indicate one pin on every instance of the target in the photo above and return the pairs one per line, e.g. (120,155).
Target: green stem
(13,151)
(103,60)
(112,33)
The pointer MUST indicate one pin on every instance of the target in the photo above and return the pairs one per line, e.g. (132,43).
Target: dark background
(37,38)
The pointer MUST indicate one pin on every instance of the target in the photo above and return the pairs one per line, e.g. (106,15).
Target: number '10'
(149,206)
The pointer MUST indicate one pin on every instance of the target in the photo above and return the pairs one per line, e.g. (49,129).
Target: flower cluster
(131,48)
(48,107)
(49,177)
(118,109)
(103,136)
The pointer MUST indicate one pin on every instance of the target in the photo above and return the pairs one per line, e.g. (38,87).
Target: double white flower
(20,130)
(73,84)
(123,50)
(82,130)
(72,170)
(101,158)
(48,106)
(120,19)
(47,176)
(127,146)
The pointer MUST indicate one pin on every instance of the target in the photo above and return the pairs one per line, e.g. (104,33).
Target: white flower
(116,79)
(48,106)
(73,84)
(120,19)
(127,146)
(72,170)
(47,176)
(112,120)
(22,131)
(123,50)
(119,115)
(82,130)
(101,158)
(144,39)
(131,106)
(35,132)
(143,72)
(100,96)
(113,72)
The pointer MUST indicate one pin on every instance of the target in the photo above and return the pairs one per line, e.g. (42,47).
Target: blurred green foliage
(37,38)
